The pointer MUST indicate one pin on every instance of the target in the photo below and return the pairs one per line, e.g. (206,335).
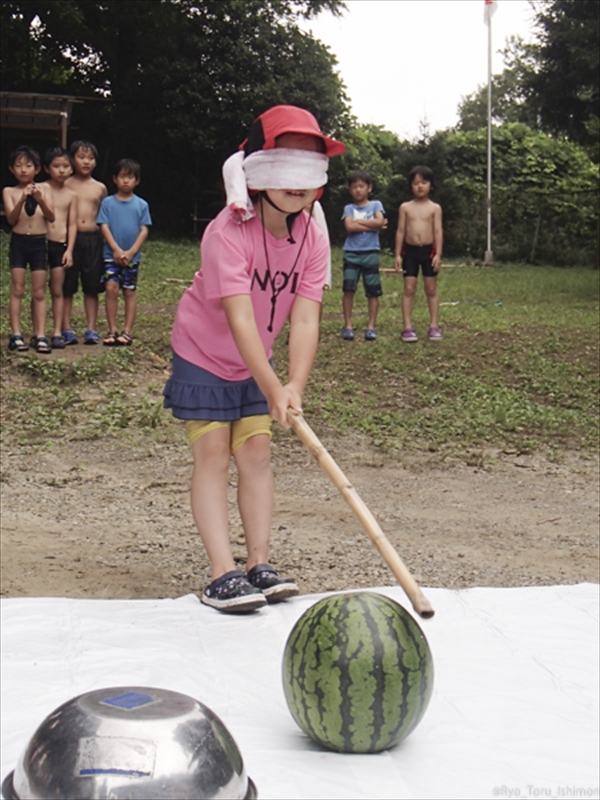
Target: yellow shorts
(240,429)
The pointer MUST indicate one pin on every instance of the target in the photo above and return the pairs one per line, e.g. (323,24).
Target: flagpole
(489,256)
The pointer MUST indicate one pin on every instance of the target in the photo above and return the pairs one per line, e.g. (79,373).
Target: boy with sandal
(58,164)
(123,219)
(29,209)
(87,252)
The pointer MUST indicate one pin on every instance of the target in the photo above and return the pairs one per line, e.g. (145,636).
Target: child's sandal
(125,339)
(42,345)
(16,342)
(111,339)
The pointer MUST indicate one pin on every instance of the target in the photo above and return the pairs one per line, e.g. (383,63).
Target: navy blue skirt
(194,393)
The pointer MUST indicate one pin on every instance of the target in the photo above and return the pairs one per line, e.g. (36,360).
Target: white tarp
(514,713)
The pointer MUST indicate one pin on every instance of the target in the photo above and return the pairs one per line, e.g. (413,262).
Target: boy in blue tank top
(363,219)
(123,219)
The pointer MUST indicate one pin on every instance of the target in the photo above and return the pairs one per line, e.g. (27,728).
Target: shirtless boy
(419,241)
(61,233)
(29,209)
(87,253)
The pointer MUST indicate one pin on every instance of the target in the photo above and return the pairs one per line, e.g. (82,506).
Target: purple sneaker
(409,335)
(434,334)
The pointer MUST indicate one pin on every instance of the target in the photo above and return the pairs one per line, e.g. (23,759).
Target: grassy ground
(517,369)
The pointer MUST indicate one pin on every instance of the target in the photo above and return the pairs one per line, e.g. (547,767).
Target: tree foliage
(544,195)
(568,72)
(182,80)
(179,81)
(551,84)
(512,99)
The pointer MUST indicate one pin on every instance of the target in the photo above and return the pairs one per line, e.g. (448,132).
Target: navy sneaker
(274,588)
(90,337)
(233,592)
(70,337)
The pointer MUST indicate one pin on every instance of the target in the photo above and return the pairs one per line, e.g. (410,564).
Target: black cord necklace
(279,286)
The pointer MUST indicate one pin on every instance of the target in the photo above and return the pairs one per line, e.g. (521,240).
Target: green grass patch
(517,368)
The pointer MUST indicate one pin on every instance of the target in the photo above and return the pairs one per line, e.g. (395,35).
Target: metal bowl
(130,742)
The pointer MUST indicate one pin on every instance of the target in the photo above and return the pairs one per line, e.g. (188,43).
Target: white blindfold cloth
(278,168)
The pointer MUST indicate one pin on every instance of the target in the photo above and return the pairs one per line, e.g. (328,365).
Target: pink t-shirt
(234,263)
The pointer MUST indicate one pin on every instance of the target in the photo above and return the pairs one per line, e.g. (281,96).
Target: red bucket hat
(286,119)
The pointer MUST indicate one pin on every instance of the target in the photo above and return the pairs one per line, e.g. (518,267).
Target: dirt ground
(109,519)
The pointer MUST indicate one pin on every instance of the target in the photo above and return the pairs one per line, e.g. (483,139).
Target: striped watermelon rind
(357,672)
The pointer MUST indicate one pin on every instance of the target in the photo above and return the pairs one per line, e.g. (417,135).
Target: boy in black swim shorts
(87,265)
(419,241)
(415,256)
(61,233)
(29,209)
(87,253)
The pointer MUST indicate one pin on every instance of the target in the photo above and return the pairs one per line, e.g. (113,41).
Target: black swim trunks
(87,262)
(415,256)
(56,251)
(26,249)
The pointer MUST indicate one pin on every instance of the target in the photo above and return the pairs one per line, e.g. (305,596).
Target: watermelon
(357,672)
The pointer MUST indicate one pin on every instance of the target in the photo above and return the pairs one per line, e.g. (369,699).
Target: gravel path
(108,519)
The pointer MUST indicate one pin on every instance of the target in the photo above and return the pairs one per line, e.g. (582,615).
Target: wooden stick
(419,602)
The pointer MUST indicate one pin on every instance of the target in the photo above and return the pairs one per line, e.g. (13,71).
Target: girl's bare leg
(433,301)
(255,496)
(211,454)
(410,286)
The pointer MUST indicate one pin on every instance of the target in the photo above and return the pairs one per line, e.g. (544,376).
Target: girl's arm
(240,317)
(304,338)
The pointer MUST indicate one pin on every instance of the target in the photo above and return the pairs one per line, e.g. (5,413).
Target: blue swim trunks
(126,277)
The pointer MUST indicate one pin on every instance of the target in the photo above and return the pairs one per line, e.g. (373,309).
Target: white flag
(489,9)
